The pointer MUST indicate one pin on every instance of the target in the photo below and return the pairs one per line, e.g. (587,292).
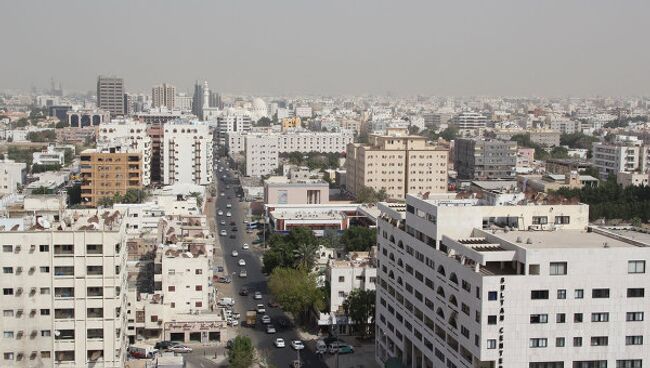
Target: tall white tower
(206,95)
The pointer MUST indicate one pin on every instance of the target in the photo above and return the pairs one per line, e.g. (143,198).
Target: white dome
(259,105)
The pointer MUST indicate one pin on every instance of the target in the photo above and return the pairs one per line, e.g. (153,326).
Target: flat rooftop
(561,239)
(72,220)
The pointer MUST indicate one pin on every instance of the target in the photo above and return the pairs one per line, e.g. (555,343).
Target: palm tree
(305,255)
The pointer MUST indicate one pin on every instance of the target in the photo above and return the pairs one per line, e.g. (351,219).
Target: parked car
(261,309)
(228,205)
(224,279)
(270,329)
(244,246)
(226,302)
(243,273)
(279,342)
(242,262)
(266,319)
(297,345)
(164,345)
(346,349)
(233,322)
(234,253)
(220,213)
(228,214)
(257,295)
(180,349)
(273,304)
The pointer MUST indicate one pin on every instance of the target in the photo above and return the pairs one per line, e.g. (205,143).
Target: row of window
(600,293)
(542,342)
(622,363)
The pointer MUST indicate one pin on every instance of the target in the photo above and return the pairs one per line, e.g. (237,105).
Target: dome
(259,104)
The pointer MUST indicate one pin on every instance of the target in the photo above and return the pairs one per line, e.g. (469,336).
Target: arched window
(400,263)
(392,239)
(400,245)
(399,280)
(441,270)
(391,275)
(441,291)
(453,278)
(453,301)
(440,313)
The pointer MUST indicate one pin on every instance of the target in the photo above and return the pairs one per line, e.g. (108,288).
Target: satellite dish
(43,223)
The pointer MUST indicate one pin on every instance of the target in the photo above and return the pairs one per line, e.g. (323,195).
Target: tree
(578,140)
(133,196)
(42,190)
(62,124)
(48,135)
(296,290)
(284,249)
(22,154)
(357,238)
(74,195)
(37,168)
(68,156)
(331,238)
(305,255)
(199,198)
(241,353)
(361,309)
(21,123)
(263,122)
(369,195)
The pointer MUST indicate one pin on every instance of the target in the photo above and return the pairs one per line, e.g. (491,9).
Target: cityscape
(157,212)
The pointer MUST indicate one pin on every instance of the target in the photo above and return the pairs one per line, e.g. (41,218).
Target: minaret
(206,95)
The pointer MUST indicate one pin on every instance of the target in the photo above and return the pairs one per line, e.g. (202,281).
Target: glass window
(636,267)
(558,268)
(561,294)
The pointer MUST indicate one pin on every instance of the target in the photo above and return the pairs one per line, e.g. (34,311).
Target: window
(558,268)
(198,304)
(577,317)
(45,354)
(341,278)
(7,248)
(539,318)
(492,295)
(539,294)
(540,220)
(635,266)
(198,287)
(492,344)
(198,271)
(8,334)
(7,291)
(590,364)
(560,318)
(561,293)
(46,333)
(8,356)
(546,365)
(600,317)
(600,293)
(562,220)
(492,320)
(45,291)
(44,248)
(577,341)
(629,363)
(7,270)
(635,292)
(44,269)
(634,316)
(45,312)
(559,342)
(599,341)
(634,340)
(579,294)
(537,343)
(8,313)
(171,288)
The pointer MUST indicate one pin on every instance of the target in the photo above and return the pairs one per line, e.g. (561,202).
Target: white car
(222,223)
(229,205)
(257,295)
(261,309)
(297,345)
(228,214)
(243,273)
(223,233)
(245,246)
(233,322)
(270,329)
(222,193)
(180,349)
(241,261)
(279,342)
(234,253)
(220,213)
(266,319)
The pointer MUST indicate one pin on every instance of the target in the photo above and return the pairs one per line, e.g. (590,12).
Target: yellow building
(105,173)
(288,123)
(398,163)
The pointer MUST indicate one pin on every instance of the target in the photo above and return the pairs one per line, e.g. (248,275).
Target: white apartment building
(128,136)
(565,126)
(303,112)
(261,153)
(12,175)
(308,141)
(183,102)
(625,154)
(64,289)
(51,156)
(185,278)
(232,121)
(357,271)
(464,283)
(186,154)
(469,120)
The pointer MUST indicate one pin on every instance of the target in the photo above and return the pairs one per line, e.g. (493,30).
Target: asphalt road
(256,281)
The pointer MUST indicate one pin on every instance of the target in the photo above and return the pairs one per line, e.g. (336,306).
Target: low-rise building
(625,154)
(12,175)
(50,156)
(627,179)
(282,190)
(484,159)
(107,172)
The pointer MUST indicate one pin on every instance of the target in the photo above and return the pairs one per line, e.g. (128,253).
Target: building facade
(465,284)
(397,163)
(110,95)
(12,175)
(479,159)
(186,154)
(163,95)
(128,136)
(625,154)
(107,172)
(281,190)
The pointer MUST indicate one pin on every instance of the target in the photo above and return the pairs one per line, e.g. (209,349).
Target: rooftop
(71,220)
(562,239)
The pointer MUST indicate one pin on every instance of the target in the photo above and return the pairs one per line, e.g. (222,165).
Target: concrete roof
(561,239)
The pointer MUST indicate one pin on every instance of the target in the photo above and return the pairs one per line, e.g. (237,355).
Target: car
(260,308)
(223,233)
(228,214)
(270,329)
(224,279)
(220,213)
(279,342)
(242,262)
(244,246)
(257,295)
(222,193)
(233,236)
(346,349)
(180,349)
(232,223)
(297,345)
(222,223)
(235,253)
(243,273)
(243,292)
(266,319)
(233,322)
(224,176)
(234,229)
(219,268)
(165,345)
(236,315)
(226,302)
(229,205)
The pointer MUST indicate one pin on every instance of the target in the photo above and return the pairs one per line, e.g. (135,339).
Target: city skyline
(508,48)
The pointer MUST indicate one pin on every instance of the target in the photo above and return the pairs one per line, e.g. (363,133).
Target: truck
(251,318)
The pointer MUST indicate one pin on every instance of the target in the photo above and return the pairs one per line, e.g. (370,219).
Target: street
(255,281)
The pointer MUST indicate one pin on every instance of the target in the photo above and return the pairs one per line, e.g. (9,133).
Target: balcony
(63,271)
(67,313)
(63,250)
(95,312)
(64,335)
(94,291)
(64,292)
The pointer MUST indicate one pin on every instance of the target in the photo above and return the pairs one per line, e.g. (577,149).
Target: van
(142,351)
(225,302)
(321,347)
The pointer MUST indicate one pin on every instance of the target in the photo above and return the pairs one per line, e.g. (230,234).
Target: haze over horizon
(579,48)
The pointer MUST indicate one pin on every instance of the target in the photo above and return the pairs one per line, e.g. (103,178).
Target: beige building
(106,173)
(289,123)
(282,190)
(627,179)
(398,163)
(163,96)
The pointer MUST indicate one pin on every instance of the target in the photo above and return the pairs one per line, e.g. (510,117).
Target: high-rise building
(186,153)
(231,121)
(110,95)
(183,102)
(163,96)
(468,283)
(480,159)
(626,154)
(106,172)
(64,283)
(398,163)
(128,136)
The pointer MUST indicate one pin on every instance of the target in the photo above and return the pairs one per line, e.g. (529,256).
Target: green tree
(361,309)
(42,190)
(369,195)
(284,249)
(74,195)
(37,168)
(263,122)
(305,255)
(48,135)
(296,290)
(133,196)
(21,123)
(68,156)
(559,152)
(578,140)
(357,238)
(331,238)
(242,353)
(22,154)
(62,124)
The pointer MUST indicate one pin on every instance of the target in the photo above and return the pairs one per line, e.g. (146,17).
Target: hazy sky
(519,47)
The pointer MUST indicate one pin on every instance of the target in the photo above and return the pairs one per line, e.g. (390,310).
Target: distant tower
(206,95)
